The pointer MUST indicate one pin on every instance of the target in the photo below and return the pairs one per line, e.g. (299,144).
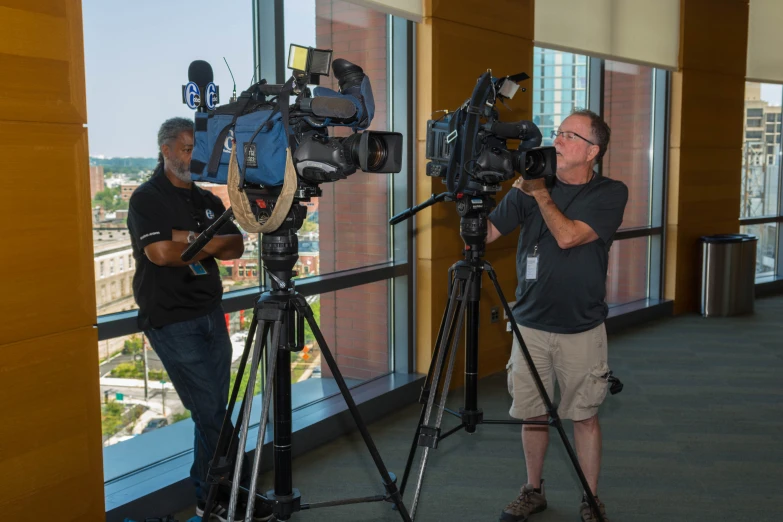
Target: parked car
(154,424)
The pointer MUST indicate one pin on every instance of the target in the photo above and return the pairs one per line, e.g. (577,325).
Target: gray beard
(180,170)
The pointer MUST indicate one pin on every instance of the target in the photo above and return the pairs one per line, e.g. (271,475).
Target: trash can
(728,274)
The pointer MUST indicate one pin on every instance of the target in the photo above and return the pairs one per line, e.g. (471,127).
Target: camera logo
(229,141)
(211,95)
(192,95)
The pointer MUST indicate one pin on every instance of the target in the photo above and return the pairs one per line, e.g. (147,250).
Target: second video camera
(468,147)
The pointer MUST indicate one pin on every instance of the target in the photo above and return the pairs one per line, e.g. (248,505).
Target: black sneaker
(587,514)
(528,502)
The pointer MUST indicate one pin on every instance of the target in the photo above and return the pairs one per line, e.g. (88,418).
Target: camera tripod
(278,319)
(464,294)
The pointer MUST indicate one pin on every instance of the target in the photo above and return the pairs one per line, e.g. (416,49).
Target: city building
(97,183)
(127,189)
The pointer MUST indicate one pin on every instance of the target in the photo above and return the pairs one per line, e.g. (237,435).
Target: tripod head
(280,248)
(473,206)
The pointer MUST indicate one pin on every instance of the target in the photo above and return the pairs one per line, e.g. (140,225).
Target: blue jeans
(197,357)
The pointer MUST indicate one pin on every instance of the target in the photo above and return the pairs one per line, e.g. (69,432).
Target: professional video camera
(483,155)
(280,151)
(468,149)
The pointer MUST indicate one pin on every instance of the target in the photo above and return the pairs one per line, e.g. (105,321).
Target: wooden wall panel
(716,38)
(512,17)
(42,59)
(705,155)
(50,284)
(713,116)
(457,42)
(51,446)
(50,438)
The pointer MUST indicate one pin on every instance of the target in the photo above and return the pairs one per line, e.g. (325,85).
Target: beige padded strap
(239,202)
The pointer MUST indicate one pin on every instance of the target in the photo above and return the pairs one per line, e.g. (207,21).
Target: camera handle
(206,236)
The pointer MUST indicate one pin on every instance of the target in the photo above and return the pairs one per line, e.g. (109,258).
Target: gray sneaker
(588,515)
(528,502)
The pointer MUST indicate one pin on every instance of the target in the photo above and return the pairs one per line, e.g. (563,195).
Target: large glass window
(559,88)
(133,84)
(760,209)
(348,224)
(631,100)
(628,92)
(346,240)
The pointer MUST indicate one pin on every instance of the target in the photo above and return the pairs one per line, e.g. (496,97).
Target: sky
(773,94)
(137,56)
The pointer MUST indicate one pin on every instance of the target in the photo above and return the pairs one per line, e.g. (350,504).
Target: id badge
(531,273)
(198,269)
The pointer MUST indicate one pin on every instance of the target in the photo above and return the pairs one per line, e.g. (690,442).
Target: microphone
(200,91)
(200,72)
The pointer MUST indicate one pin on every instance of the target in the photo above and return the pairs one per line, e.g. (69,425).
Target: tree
(109,199)
(132,345)
(309,336)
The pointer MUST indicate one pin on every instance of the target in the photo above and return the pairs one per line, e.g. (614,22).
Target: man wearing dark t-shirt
(179,302)
(562,259)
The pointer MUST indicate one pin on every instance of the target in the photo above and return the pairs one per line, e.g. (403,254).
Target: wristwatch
(191,237)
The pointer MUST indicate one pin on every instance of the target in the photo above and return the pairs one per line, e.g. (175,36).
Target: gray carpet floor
(696,435)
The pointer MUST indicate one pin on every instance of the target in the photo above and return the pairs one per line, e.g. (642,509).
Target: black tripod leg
(247,404)
(462,287)
(436,366)
(555,418)
(305,310)
(267,399)
(228,432)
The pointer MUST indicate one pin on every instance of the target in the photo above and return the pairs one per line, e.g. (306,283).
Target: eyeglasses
(570,135)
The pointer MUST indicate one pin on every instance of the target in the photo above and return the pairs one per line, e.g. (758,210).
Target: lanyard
(543,221)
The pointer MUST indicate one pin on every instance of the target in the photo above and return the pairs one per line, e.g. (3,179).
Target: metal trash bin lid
(728,238)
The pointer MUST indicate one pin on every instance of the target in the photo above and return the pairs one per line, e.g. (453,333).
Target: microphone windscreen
(333,107)
(200,72)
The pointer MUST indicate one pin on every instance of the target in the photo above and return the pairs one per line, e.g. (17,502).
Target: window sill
(769,285)
(162,488)
(637,312)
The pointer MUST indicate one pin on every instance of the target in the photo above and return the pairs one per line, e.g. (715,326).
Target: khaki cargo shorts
(578,361)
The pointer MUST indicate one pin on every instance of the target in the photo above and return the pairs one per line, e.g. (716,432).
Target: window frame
(269,58)
(777,274)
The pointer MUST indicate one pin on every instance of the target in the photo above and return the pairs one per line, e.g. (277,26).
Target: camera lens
(376,153)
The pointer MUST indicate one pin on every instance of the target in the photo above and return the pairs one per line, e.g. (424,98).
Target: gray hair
(172,128)
(600,130)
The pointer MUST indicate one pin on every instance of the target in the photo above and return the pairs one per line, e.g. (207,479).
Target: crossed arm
(167,253)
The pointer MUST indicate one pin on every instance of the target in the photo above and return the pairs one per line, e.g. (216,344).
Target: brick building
(96,180)
(353,213)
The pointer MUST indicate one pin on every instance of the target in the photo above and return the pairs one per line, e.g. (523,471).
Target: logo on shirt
(210,214)
(145,236)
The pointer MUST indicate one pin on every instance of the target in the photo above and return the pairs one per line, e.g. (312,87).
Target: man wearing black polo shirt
(179,302)
(562,260)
